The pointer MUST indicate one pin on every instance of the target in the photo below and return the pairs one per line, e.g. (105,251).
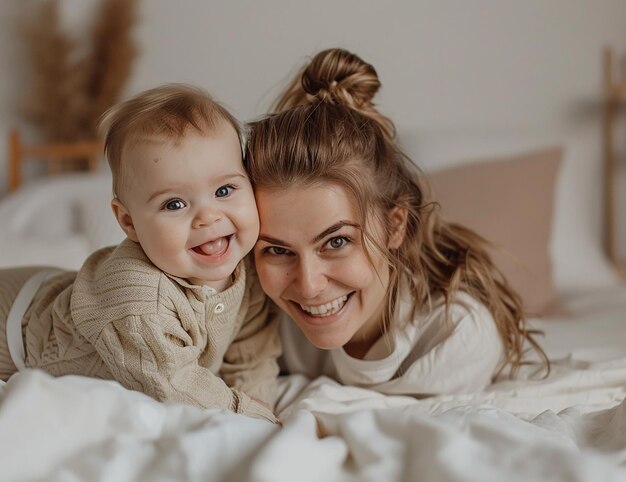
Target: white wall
(11,77)
(446,65)
(485,67)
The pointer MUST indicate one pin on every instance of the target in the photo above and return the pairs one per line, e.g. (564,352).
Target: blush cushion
(510,202)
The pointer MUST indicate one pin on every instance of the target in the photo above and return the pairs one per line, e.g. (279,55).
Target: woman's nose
(206,216)
(312,279)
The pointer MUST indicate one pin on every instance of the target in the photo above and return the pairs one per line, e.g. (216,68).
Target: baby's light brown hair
(164,113)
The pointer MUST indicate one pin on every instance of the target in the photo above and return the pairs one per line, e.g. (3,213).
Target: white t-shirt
(425,356)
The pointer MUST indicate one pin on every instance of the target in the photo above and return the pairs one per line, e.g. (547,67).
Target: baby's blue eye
(224,191)
(174,204)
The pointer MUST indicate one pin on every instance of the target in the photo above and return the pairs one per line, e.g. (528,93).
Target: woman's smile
(322,316)
(326,309)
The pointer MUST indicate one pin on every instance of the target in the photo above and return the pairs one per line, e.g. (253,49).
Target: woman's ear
(397,221)
(124,219)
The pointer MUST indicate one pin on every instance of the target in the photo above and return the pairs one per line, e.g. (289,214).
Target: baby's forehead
(220,128)
(157,140)
(219,150)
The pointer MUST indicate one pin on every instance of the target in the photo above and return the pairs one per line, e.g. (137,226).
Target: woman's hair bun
(338,76)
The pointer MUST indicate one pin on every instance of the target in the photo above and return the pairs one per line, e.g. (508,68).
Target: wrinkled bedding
(75,428)
(570,426)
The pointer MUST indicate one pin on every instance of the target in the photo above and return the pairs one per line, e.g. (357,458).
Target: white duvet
(570,426)
(75,428)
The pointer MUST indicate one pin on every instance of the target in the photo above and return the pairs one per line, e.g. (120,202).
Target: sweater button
(208,290)
(219,308)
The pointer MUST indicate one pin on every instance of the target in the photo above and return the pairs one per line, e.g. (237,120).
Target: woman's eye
(174,205)
(338,242)
(224,190)
(276,251)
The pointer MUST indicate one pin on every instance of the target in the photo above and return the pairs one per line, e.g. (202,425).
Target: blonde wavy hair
(325,129)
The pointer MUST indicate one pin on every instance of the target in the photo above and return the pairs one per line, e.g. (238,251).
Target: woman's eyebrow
(331,229)
(335,227)
(275,241)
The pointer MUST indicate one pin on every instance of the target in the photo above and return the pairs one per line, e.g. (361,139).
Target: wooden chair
(614,98)
(55,154)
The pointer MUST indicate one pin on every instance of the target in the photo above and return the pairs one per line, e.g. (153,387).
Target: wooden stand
(614,97)
(54,154)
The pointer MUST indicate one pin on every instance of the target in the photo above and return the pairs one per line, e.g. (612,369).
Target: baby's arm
(155,355)
(250,363)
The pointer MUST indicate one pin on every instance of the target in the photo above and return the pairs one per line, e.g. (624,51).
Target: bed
(570,426)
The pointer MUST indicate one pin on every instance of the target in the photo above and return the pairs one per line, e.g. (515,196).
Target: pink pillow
(510,202)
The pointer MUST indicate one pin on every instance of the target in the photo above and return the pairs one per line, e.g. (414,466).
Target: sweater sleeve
(251,362)
(154,355)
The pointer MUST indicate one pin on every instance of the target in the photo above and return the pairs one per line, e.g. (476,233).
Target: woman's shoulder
(461,307)
(436,315)
(449,349)
(464,321)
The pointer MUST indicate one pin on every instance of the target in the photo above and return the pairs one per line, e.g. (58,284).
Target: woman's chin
(326,341)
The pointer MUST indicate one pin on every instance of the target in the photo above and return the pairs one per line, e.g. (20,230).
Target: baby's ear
(397,221)
(123,218)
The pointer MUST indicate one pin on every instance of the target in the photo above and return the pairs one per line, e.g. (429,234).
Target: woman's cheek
(355,271)
(269,275)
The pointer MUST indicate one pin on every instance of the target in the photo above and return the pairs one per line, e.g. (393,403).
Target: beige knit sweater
(122,318)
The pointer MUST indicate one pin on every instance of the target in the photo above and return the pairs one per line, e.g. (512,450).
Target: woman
(382,292)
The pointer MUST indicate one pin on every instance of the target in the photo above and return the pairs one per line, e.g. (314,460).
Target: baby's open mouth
(215,247)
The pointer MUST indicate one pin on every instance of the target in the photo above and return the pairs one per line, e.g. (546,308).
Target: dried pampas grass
(68,93)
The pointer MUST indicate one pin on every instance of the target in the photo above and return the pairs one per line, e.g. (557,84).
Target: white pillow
(62,252)
(40,209)
(58,220)
(97,222)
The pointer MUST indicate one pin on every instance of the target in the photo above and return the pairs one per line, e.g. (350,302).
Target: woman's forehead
(310,198)
(305,211)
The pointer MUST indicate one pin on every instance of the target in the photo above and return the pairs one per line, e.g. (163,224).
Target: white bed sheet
(568,427)
(75,428)
(595,328)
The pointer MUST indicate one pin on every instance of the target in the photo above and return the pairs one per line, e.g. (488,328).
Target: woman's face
(313,265)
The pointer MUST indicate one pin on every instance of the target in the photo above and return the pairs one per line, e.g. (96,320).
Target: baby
(176,310)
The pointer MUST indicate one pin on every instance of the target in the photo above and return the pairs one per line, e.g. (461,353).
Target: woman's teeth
(327,309)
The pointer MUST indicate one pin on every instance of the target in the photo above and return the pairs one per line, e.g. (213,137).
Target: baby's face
(190,204)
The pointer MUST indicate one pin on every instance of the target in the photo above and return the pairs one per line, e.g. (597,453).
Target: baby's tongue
(214,247)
